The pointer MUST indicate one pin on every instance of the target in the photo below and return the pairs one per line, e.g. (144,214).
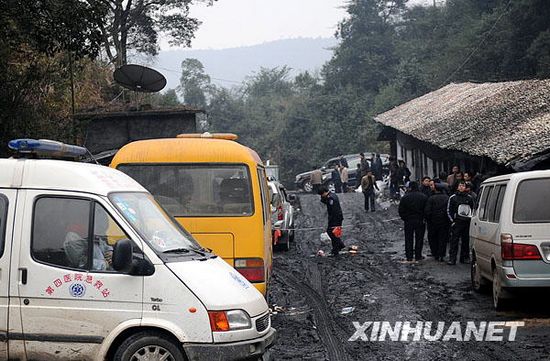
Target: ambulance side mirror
(122,255)
(142,267)
(124,260)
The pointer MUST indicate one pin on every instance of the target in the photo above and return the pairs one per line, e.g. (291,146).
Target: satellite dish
(139,78)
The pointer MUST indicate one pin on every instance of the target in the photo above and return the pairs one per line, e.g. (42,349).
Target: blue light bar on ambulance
(46,147)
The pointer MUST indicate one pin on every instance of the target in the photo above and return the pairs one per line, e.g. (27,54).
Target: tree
(38,42)
(137,24)
(365,57)
(194,83)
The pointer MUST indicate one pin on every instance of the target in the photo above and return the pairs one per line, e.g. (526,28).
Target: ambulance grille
(262,323)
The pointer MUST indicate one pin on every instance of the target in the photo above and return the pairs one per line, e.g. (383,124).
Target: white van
(510,234)
(92,268)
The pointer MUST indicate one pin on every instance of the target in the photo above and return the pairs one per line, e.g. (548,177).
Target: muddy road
(311,292)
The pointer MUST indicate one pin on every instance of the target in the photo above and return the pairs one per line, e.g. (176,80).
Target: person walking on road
(438,222)
(337,181)
(365,166)
(335,219)
(411,211)
(368,184)
(344,177)
(316,178)
(459,211)
(376,167)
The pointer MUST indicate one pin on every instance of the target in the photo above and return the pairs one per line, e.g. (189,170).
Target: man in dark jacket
(368,184)
(335,176)
(365,166)
(438,222)
(376,167)
(335,218)
(426,187)
(411,211)
(459,211)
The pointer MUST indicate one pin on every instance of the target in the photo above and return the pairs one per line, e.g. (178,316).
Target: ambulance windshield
(156,227)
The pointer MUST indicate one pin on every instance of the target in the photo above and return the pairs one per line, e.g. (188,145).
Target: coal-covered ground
(310,293)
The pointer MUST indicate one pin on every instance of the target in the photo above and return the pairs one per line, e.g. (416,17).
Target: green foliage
(137,25)
(194,83)
(38,41)
(388,54)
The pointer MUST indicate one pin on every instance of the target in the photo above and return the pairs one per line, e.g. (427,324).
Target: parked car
(510,234)
(109,274)
(303,182)
(282,216)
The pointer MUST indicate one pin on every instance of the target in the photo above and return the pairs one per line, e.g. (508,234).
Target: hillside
(228,67)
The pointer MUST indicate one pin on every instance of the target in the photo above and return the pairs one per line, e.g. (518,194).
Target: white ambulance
(92,268)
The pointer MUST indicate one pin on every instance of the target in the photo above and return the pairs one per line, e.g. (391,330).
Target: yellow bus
(215,188)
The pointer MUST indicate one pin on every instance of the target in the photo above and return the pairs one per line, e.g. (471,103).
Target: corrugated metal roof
(507,121)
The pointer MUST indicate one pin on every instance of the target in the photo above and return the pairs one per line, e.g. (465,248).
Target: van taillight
(517,251)
(251,268)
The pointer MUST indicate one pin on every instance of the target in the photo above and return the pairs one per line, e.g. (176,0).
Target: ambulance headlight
(238,320)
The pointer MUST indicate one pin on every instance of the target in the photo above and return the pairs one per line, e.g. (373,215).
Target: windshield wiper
(177,250)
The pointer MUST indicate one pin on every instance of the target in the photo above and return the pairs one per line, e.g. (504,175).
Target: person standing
(316,178)
(451,178)
(426,186)
(411,211)
(344,177)
(376,167)
(365,166)
(335,218)
(438,222)
(459,211)
(368,184)
(343,161)
(337,181)
(403,173)
(394,178)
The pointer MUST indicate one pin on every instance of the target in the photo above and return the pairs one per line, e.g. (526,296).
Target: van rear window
(532,203)
(196,190)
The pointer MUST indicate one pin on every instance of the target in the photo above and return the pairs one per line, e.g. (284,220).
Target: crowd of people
(442,206)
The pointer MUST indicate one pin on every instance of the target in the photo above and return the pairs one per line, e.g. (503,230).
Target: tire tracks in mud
(326,326)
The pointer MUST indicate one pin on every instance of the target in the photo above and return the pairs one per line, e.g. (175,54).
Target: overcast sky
(234,23)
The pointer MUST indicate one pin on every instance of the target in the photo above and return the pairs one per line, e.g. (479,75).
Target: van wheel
(307,186)
(291,236)
(148,346)
(479,284)
(499,301)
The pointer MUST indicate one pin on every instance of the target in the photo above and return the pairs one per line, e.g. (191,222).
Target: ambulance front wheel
(148,345)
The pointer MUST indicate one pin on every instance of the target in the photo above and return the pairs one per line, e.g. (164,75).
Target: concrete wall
(100,132)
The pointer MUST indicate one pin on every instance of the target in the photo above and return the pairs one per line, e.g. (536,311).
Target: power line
(220,79)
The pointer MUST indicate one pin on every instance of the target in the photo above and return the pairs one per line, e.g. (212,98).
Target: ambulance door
(71,298)
(7,211)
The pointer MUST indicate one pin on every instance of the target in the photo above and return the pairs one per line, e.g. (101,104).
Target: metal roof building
(488,127)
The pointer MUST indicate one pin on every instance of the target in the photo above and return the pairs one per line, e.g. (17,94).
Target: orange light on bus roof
(227,136)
